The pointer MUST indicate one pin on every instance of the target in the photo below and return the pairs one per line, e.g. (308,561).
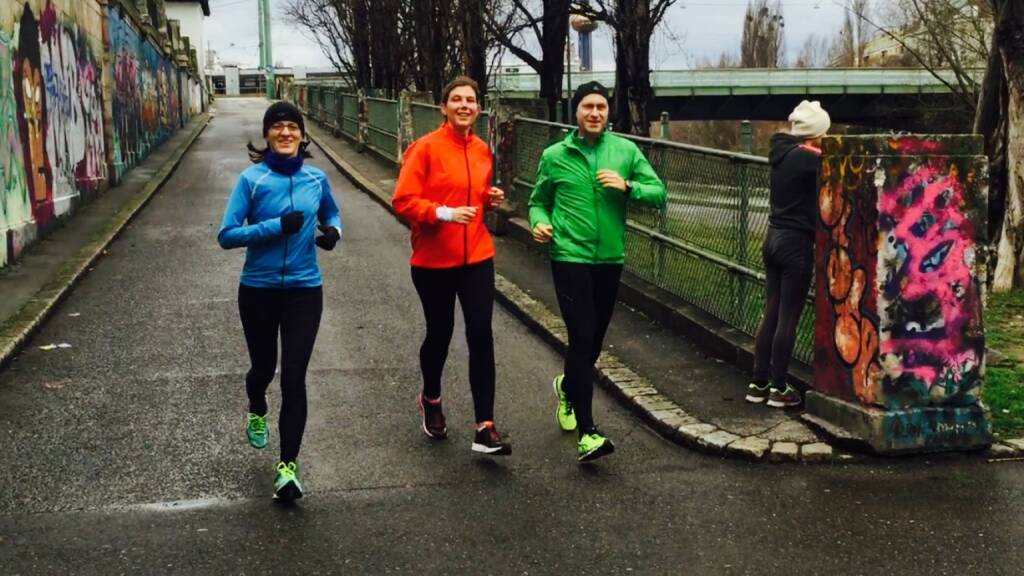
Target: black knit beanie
(583,90)
(282,111)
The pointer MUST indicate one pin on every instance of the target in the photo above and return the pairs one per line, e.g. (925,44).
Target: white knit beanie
(809,120)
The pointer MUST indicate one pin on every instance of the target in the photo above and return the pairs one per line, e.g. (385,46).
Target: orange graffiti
(855,336)
(33,97)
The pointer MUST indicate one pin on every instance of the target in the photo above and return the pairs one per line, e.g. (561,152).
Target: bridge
(900,98)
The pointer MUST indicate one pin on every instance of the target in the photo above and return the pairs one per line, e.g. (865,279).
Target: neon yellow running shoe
(566,415)
(256,430)
(593,445)
(287,485)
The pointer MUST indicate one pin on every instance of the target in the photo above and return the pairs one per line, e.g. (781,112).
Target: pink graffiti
(929,255)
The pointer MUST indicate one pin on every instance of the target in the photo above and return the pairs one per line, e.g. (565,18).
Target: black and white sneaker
(788,398)
(488,441)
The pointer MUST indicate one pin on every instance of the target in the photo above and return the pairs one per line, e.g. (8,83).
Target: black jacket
(793,195)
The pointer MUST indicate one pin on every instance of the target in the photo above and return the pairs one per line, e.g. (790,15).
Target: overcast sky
(703,30)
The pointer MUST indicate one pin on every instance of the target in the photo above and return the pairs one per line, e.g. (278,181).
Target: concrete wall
(899,289)
(86,91)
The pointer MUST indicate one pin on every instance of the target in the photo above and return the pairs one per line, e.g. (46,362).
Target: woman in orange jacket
(443,189)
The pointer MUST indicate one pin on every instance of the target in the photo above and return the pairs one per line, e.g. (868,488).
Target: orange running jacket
(445,169)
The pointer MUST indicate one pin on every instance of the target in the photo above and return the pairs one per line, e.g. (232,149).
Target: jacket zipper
(469,200)
(284,259)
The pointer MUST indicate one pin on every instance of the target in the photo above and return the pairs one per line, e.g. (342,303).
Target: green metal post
(747,144)
(666,131)
(259,22)
(271,89)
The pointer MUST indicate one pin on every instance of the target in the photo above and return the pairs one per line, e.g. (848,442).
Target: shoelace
(258,424)
(286,470)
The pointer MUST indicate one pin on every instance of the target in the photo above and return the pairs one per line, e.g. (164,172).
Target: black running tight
(789,264)
(474,286)
(586,295)
(295,313)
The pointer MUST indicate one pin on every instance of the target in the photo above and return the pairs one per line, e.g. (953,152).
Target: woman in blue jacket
(274,212)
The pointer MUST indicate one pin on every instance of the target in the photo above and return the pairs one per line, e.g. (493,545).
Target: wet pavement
(126,454)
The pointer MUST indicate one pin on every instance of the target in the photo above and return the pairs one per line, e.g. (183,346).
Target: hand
(292,222)
(495,196)
(611,179)
(464,214)
(542,233)
(329,238)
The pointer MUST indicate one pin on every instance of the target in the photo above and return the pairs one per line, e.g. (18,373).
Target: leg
(769,320)
(299,325)
(260,311)
(476,295)
(436,289)
(574,288)
(796,280)
(606,290)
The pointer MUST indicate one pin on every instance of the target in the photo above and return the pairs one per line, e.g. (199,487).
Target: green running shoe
(256,430)
(286,485)
(565,414)
(593,445)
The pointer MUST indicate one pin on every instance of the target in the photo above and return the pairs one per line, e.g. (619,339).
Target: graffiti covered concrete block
(899,280)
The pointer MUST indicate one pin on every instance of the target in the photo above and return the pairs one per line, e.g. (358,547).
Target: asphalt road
(126,454)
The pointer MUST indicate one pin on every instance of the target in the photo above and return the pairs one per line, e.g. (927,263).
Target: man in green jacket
(579,206)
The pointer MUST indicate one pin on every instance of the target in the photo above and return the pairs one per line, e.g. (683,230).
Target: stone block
(784,452)
(749,448)
(716,441)
(817,452)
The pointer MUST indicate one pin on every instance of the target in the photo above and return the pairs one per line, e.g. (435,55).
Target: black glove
(292,222)
(329,238)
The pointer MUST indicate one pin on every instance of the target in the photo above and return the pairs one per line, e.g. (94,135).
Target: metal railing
(705,245)
(383,126)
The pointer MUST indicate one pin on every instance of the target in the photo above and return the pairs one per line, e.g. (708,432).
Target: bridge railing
(705,246)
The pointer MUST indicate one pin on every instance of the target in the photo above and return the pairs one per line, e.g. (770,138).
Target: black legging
(789,265)
(295,312)
(586,295)
(474,285)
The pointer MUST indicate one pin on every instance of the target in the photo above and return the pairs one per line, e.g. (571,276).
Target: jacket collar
(576,141)
(450,133)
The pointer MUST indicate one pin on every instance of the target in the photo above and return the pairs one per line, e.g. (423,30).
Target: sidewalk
(48,269)
(684,394)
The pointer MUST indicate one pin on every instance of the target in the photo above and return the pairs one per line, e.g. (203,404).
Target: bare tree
(634,22)
(815,52)
(763,45)
(516,26)
(848,50)
(1009,41)
(341,30)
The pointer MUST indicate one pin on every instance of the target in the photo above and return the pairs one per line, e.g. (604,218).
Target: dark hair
(457,82)
(256,154)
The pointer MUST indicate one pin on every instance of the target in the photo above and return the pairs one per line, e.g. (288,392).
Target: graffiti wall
(899,276)
(83,98)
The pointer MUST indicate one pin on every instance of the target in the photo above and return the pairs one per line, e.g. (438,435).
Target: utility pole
(268,49)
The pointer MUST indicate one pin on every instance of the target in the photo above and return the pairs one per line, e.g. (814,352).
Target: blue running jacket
(253,220)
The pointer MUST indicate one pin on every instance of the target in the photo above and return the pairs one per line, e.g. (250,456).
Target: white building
(191,15)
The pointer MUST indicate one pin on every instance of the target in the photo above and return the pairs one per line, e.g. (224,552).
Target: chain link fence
(705,246)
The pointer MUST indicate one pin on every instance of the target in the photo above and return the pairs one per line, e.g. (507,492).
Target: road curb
(657,410)
(20,327)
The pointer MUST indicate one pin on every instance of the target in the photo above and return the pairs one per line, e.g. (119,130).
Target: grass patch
(1004,377)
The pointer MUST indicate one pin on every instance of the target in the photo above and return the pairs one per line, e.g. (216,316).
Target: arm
(543,196)
(234,233)
(329,214)
(408,200)
(645,185)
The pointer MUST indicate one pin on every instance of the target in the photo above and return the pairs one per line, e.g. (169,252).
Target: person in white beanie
(788,251)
